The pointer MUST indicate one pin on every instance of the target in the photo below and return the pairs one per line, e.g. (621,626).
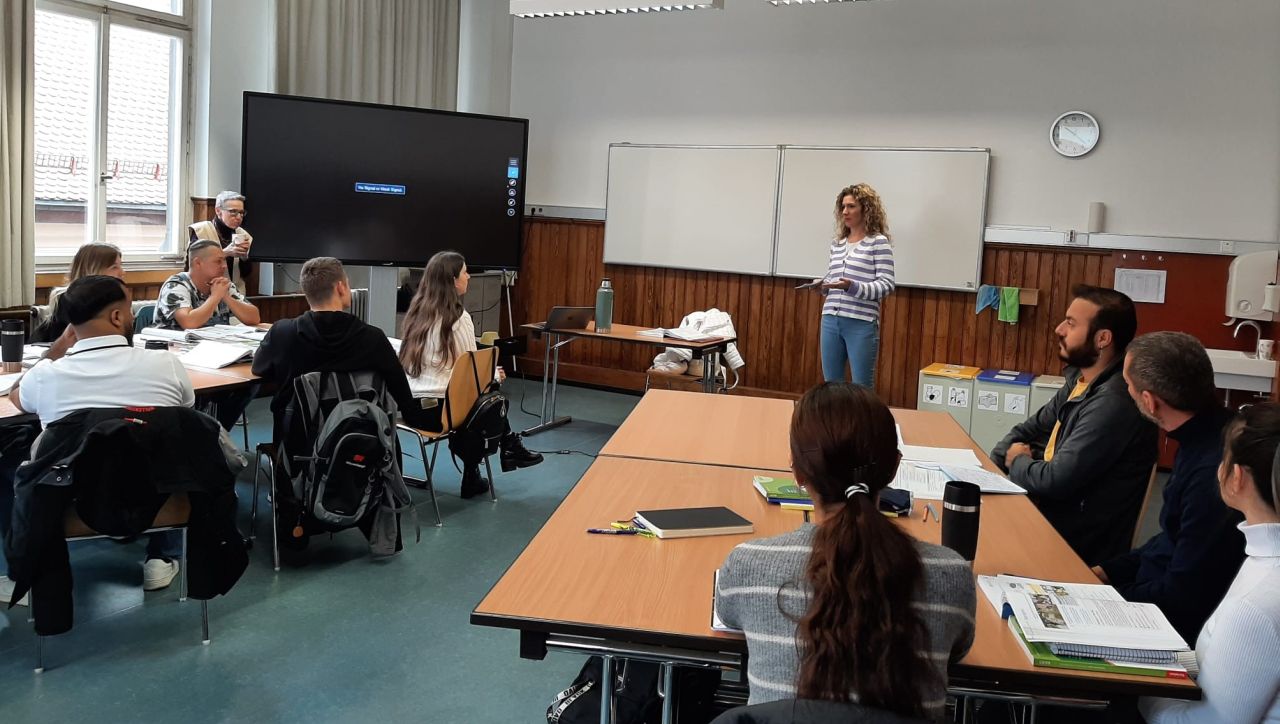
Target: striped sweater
(868,265)
(758,588)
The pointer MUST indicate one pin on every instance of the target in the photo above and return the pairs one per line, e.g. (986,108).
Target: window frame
(107,14)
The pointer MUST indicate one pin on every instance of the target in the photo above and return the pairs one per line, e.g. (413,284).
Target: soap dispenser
(1247,282)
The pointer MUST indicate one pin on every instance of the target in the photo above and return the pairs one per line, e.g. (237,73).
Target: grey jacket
(1093,488)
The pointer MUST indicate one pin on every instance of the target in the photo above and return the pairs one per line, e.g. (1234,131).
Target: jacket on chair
(117,467)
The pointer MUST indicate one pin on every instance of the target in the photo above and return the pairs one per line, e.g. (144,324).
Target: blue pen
(613,531)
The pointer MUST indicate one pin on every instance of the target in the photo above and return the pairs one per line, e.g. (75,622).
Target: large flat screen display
(381,185)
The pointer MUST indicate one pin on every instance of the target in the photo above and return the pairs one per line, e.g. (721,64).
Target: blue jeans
(854,341)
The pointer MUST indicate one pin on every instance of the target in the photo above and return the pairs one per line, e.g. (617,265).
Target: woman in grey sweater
(853,608)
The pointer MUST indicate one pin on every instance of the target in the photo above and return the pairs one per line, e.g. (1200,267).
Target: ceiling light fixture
(570,8)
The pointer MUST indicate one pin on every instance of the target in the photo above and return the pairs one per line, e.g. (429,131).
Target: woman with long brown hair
(852,608)
(93,258)
(437,331)
(859,275)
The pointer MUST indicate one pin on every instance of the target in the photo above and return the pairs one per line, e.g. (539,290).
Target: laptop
(569,318)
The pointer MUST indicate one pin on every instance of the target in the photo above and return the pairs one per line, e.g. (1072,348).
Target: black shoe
(516,455)
(473,483)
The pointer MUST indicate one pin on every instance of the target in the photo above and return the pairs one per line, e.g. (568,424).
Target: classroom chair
(810,711)
(472,373)
(174,515)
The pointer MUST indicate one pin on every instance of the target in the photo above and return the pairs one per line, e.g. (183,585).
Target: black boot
(473,483)
(515,454)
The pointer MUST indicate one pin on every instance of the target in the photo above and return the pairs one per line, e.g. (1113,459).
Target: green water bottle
(604,308)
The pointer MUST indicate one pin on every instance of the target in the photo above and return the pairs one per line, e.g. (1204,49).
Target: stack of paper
(216,354)
(1086,621)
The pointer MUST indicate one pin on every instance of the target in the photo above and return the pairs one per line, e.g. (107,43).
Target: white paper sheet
(940,455)
(989,482)
(924,482)
(214,355)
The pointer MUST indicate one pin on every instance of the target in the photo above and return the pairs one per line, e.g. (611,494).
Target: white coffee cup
(1266,348)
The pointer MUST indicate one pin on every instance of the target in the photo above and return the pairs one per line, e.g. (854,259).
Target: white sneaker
(6,592)
(158,573)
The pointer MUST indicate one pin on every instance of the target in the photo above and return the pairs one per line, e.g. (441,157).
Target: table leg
(668,693)
(550,382)
(606,689)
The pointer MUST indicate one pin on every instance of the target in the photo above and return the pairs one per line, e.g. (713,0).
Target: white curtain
(400,52)
(17,139)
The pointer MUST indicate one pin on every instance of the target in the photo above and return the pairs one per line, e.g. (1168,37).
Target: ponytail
(861,634)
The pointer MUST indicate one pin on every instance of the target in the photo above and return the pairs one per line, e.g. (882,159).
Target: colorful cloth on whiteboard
(1009,305)
(988,298)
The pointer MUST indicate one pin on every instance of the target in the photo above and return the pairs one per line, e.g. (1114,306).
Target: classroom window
(109,128)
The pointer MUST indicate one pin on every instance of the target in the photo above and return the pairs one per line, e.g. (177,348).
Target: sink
(1234,370)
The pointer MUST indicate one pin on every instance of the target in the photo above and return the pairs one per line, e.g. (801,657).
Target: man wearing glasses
(227,229)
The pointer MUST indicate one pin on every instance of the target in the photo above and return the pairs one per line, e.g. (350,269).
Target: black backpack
(350,465)
(479,434)
(636,699)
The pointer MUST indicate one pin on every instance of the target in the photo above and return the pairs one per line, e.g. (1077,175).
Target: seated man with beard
(1086,457)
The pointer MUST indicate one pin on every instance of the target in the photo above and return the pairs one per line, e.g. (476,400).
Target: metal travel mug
(961,508)
(11,338)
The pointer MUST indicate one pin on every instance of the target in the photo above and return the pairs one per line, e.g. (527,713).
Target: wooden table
(740,431)
(204,381)
(623,333)
(687,427)
(652,598)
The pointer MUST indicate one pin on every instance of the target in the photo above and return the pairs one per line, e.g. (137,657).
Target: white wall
(233,52)
(484,57)
(1186,92)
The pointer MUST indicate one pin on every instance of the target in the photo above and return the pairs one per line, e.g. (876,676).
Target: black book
(690,522)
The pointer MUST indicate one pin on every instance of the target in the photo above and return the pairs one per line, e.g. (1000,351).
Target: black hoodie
(327,342)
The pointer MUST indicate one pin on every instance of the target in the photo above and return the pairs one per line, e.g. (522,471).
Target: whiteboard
(935,201)
(692,207)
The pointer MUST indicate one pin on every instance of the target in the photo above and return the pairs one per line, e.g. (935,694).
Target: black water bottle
(11,339)
(961,509)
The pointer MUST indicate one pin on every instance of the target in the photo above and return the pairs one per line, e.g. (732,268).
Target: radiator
(360,304)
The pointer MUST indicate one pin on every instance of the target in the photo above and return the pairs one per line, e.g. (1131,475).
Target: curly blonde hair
(873,217)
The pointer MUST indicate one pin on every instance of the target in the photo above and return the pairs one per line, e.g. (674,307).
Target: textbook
(1085,620)
(691,522)
(1042,655)
(219,332)
(780,490)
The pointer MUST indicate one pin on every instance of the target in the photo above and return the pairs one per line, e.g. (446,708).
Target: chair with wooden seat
(175,514)
(472,373)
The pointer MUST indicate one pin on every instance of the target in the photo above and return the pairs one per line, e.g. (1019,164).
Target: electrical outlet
(1227,247)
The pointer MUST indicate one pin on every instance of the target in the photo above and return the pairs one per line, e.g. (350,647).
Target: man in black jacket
(327,339)
(1086,457)
(1188,566)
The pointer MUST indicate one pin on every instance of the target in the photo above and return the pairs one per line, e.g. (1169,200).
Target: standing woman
(90,259)
(1238,650)
(437,331)
(859,275)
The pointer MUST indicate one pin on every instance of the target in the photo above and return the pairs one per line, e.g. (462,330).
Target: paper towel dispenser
(1247,282)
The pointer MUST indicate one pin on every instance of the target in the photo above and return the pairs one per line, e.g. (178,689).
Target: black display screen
(381,185)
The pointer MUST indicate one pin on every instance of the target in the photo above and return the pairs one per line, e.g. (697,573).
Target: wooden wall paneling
(778,327)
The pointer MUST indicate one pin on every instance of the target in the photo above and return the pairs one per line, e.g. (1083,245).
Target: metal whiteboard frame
(982,229)
(777,190)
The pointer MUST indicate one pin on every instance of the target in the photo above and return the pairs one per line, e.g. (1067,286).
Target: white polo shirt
(104,372)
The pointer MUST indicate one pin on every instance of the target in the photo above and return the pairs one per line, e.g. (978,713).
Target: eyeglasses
(234,212)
